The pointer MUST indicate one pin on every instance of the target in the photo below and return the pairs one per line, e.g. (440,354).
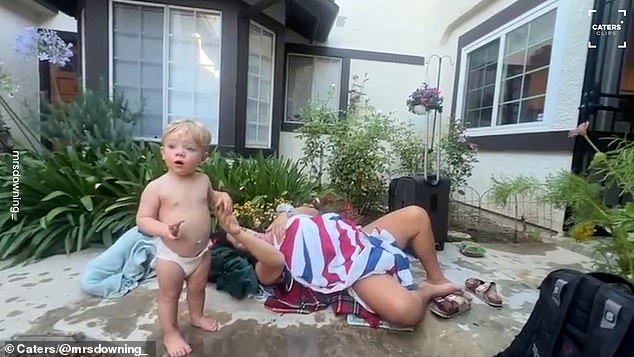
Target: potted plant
(424,99)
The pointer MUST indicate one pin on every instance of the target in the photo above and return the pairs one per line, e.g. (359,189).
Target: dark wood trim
(345,85)
(354,54)
(552,141)
(494,22)
(242,68)
(258,7)
(96,45)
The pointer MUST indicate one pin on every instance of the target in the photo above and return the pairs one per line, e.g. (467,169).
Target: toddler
(175,209)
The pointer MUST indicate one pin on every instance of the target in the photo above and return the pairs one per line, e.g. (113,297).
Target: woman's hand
(229,223)
(278,226)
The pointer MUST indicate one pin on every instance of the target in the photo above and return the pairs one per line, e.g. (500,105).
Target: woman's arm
(270,261)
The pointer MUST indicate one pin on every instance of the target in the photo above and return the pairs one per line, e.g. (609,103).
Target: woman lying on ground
(327,254)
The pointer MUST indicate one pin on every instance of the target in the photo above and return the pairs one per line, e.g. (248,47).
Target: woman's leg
(383,294)
(412,224)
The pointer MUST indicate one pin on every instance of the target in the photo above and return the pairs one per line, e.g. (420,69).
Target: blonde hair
(194,129)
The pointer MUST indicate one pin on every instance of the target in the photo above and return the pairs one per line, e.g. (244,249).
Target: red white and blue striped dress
(327,254)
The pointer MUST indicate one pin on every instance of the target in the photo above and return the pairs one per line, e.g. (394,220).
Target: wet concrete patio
(45,298)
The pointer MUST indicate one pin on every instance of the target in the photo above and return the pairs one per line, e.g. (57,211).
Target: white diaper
(188,264)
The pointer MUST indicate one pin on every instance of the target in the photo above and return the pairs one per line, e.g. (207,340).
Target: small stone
(454,236)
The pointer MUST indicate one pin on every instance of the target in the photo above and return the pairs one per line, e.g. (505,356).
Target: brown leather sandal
(450,306)
(485,291)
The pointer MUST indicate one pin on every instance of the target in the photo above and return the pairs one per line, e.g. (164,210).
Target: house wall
(415,27)
(389,83)
(15,16)
(565,84)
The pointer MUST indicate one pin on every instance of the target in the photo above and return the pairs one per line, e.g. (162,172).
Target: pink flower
(582,130)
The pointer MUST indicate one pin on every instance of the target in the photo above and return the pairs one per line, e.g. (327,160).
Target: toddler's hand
(224,203)
(173,230)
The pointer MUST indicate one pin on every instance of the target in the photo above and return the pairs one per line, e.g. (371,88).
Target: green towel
(231,272)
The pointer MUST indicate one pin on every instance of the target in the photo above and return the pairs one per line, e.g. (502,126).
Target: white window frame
(554,69)
(268,146)
(288,64)
(216,132)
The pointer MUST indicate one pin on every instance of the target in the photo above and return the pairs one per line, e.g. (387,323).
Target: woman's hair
(195,129)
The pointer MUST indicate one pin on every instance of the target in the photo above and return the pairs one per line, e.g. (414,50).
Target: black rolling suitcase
(430,192)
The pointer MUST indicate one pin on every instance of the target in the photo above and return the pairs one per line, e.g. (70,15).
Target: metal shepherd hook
(436,111)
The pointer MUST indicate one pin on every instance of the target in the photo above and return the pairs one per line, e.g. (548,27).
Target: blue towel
(122,267)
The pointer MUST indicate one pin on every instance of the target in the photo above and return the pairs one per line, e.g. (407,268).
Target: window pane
(532,110)
(138,63)
(535,83)
(514,64)
(538,55)
(153,22)
(511,89)
(309,79)
(152,76)
(474,98)
(152,102)
(475,79)
(485,117)
(489,74)
(480,84)
(472,119)
(542,28)
(516,40)
(126,18)
(194,70)
(126,46)
(326,81)
(487,96)
(508,113)
(477,58)
(259,87)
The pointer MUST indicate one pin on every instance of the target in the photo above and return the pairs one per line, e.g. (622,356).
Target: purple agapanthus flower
(46,45)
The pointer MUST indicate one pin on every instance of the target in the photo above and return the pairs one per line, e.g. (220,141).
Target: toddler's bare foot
(206,323)
(175,344)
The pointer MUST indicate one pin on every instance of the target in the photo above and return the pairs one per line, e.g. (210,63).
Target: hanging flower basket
(424,99)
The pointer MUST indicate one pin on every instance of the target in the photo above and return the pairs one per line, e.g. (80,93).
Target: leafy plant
(354,146)
(458,155)
(71,198)
(410,149)
(318,120)
(265,177)
(91,120)
(584,194)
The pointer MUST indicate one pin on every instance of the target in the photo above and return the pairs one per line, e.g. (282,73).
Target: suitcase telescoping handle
(428,114)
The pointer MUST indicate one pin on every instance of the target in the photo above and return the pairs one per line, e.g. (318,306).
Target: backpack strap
(611,317)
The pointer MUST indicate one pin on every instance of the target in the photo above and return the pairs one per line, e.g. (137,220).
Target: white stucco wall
(15,16)
(432,28)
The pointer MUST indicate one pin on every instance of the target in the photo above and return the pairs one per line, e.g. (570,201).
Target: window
(311,79)
(167,60)
(506,78)
(260,87)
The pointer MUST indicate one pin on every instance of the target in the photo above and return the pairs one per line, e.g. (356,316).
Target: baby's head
(184,145)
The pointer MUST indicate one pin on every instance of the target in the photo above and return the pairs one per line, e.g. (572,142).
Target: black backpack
(578,315)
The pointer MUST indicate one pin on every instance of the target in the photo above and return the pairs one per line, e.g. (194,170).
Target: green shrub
(249,178)
(583,194)
(90,120)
